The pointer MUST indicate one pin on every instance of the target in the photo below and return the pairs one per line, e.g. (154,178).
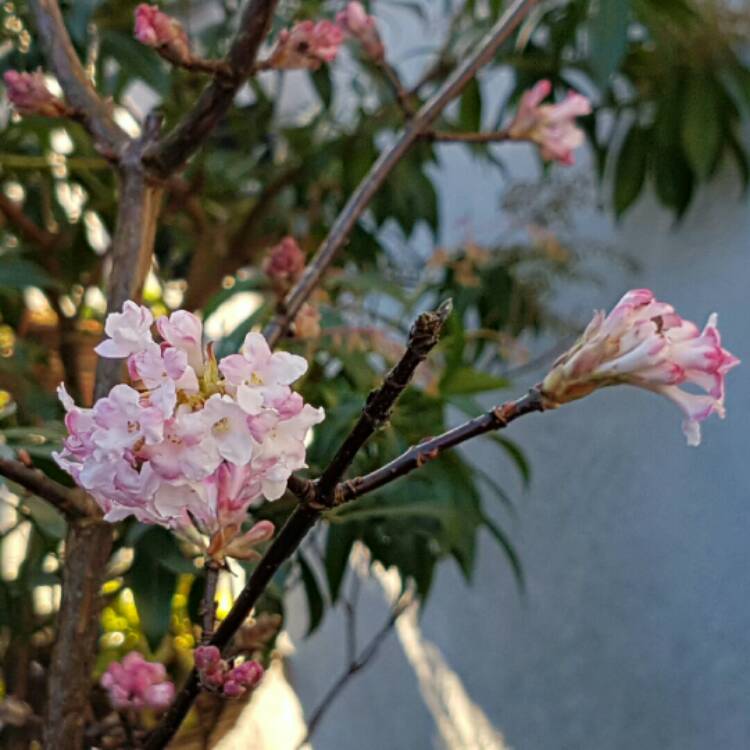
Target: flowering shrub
(196,441)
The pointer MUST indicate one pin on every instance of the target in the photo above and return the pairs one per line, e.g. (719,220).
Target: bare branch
(71,503)
(387,161)
(95,113)
(28,230)
(209,601)
(443,136)
(186,138)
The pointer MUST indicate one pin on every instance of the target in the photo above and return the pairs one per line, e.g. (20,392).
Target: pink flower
(355,21)
(184,331)
(29,94)
(135,683)
(551,126)
(643,342)
(243,547)
(307,45)
(284,264)
(217,675)
(129,331)
(156,29)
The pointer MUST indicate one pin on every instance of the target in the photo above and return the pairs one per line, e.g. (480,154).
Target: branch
(185,139)
(80,93)
(417,456)
(28,230)
(69,502)
(443,136)
(422,338)
(388,160)
(209,600)
(368,653)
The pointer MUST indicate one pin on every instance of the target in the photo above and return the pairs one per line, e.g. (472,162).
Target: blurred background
(584,586)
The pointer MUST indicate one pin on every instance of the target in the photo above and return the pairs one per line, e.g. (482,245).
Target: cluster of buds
(284,264)
(644,342)
(307,45)
(162,32)
(358,24)
(192,442)
(135,683)
(218,675)
(29,94)
(551,126)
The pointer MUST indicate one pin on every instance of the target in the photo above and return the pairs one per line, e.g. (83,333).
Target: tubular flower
(644,342)
(193,442)
(307,45)
(156,29)
(355,21)
(551,126)
(137,683)
(29,94)
(217,675)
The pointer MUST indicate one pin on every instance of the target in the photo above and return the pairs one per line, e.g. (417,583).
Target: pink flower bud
(643,342)
(243,547)
(206,657)
(284,264)
(135,683)
(355,22)
(29,94)
(306,45)
(307,322)
(156,29)
(248,674)
(551,126)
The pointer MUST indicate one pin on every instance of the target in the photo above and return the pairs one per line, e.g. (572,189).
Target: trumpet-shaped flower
(307,45)
(135,683)
(357,23)
(29,94)
(644,342)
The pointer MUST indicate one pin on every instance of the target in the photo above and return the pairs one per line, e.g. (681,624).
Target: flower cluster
(284,264)
(645,343)
(355,21)
(156,29)
(307,45)
(137,683)
(551,126)
(29,94)
(217,675)
(196,441)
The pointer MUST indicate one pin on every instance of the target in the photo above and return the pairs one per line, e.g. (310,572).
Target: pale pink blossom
(184,331)
(216,674)
(129,331)
(156,29)
(307,45)
(357,23)
(29,94)
(643,342)
(135,683)
(551,126)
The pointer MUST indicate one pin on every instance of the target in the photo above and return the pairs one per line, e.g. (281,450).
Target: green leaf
(315,605)
(321,79)
(515,454)
(339,543)
(608,36)
(19,273)
(466,380)
(701,125)
(510,552)
(470,109)
(630,172)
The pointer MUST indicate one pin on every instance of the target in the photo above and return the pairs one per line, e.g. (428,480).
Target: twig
(71,503)
(172,151)
(79,92)
(422,338)
(417,456)
(25,226)
(209,600)
(444,136)
(387,161)
(402,95)
(355,666)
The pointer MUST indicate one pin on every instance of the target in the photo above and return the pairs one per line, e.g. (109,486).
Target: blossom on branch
(307,45)
(644,342)
(284,264)
(29,94)
(357,23)
(135,683)
(551,126)
(217,675)
(192,442)
(156,29)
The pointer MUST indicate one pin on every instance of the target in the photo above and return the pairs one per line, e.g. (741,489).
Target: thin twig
(28,230)
(172,151)
(95,113)
(387,161)
(355,666)
(209,600)
(445,136)
(71,503)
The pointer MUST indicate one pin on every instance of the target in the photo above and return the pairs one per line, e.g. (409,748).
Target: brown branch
(89,540)
(368,653)
(172,151)
(95,113)
(209,600)
(388,160)
(444,136)
(25,227)
(71,503)
(417,456)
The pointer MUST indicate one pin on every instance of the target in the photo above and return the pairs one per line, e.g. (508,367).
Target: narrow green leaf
(315,605)
(470,109)
(467,380)
(630,171)
(701,124)
(510,552)
(515,454)
(339,543)
(608,30)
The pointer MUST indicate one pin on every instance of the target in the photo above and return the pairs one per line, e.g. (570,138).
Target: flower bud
(156,29)
(356,22)
(307,322)
(29,94)
(307,45)
(284,264)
